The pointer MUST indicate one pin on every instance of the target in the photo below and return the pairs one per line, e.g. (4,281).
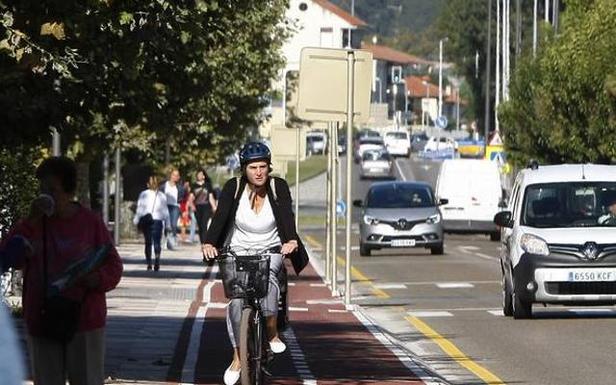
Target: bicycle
(247,277)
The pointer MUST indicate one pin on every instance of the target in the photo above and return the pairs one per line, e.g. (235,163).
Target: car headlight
(370,220)
(434,219)
(534,245)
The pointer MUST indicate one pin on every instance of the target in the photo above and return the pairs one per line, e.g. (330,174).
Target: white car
(316,142)
(376,164)
(558,243)
(440,144)
(398,143)
(368,144)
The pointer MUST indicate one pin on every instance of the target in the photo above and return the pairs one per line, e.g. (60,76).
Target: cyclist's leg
(269,303)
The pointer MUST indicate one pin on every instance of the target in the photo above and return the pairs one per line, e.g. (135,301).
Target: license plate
(375,170)
(403,243)
(592,275)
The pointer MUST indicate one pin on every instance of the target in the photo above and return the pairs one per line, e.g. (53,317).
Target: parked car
(316,143)
(473,189)
(342,145)
(367,144)
(440,144)
(400,214)
(397,143)
(557,246)
(376,164)
(418,141)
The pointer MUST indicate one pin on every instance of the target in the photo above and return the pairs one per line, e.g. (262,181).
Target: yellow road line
(356,274)
(452,351)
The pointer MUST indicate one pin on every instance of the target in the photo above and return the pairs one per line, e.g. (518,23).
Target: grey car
(398,215)
(376,164)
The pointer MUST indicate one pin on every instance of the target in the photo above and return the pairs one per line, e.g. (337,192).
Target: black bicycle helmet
(254,151)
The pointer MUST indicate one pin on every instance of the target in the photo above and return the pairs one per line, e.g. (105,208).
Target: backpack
(272,187)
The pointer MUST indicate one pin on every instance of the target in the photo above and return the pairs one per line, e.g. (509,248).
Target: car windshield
(570,205)
(399,196)
(420,137)
(396,135)
(375,156)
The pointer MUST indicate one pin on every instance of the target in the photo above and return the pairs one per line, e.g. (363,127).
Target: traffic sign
(441,121)
(341,207)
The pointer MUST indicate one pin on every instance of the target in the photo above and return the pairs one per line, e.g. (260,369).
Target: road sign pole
(328,200)
(117,201)
(334,217)
(349,138)
(297,146)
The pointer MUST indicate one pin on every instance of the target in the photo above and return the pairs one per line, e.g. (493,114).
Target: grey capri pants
(269,303)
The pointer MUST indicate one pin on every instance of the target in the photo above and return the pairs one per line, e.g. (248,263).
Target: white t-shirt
(152,202)
(252,231)
(171,191)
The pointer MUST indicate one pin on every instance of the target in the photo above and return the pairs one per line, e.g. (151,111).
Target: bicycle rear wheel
(251,344)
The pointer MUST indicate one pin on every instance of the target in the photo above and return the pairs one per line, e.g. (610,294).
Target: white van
(473,189)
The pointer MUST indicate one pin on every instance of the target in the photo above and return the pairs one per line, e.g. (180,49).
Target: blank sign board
(323,85)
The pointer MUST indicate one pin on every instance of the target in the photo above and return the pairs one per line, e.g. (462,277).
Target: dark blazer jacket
(224,218)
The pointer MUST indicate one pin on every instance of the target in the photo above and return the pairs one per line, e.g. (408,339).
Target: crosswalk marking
(426,314)
(498,313)
(390,285)
(454,285)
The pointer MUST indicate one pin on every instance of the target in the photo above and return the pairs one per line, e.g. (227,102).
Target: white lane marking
(429,314)
(471,248)
(354,248)
(390,286)
(498,313)
(290,283)
(190,363)
(400,170)
(323,302)
(393,345)
(488,257)
(291,308)
(454,285)
(216,305)
(336,310)
(298,358)
(317,285)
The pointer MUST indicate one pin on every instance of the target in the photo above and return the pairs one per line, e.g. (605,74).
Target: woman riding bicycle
(255,213)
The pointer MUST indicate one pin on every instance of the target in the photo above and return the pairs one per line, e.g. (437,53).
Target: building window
(303,6)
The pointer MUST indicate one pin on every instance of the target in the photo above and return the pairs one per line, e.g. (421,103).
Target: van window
(397,135)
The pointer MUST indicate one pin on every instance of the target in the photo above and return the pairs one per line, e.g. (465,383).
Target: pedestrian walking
(174,193)
(69,263)
(185,209)
(204,202)
(152,216)
(255,214)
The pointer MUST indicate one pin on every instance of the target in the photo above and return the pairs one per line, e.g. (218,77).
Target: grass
(312,220)
(308,168)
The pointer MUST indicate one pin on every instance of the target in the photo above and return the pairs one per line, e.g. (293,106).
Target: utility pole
(555,14)
(488,70)
(440,77)
(498,64)
(55,142)
(535,28)
(547,11)
(518,28)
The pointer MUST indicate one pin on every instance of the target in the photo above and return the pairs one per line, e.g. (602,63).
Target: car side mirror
(503,219)
(357,203)
(443,202)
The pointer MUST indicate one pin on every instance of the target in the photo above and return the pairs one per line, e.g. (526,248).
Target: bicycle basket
(245,276)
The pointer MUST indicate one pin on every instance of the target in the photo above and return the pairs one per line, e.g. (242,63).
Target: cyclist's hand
(289,247)
(209,251)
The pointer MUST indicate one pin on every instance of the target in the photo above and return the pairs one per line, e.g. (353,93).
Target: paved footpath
(168,327)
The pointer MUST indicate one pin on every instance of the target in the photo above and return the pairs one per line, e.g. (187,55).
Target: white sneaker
(231,376)
(277,346)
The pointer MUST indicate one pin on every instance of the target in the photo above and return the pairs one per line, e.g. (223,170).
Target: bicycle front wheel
(250,347)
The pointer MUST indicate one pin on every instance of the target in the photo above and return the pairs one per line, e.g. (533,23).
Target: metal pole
(488,70)
(497,73)
(334,215)
(457,109)
(547,11)
(55,142)
(118,181)
(518,28)
(555,11)
(297,146)
(349,187)
(535,29)
(440,77)
(106,189)
(328,202)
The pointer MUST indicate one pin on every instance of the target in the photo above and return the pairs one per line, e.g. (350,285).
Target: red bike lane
(326,344)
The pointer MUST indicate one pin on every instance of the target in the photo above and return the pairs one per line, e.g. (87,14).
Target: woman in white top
(152,207)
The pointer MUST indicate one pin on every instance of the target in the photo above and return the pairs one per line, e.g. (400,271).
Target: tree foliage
(563,102)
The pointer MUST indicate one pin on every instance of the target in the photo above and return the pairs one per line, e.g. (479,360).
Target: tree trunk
(83,183)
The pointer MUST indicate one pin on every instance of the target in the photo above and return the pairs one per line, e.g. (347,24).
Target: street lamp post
(440,77)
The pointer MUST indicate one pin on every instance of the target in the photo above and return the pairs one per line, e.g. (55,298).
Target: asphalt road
(447,310)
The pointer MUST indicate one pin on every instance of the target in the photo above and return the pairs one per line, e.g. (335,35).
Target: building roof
(417,89)
(355,21)
(381,52)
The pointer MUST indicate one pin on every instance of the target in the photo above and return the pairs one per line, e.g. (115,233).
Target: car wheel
(437,250)
(521,309)
(364,250)
(495,237)
(507,297)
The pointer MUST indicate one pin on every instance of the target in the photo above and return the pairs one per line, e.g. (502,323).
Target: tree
(563,103)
